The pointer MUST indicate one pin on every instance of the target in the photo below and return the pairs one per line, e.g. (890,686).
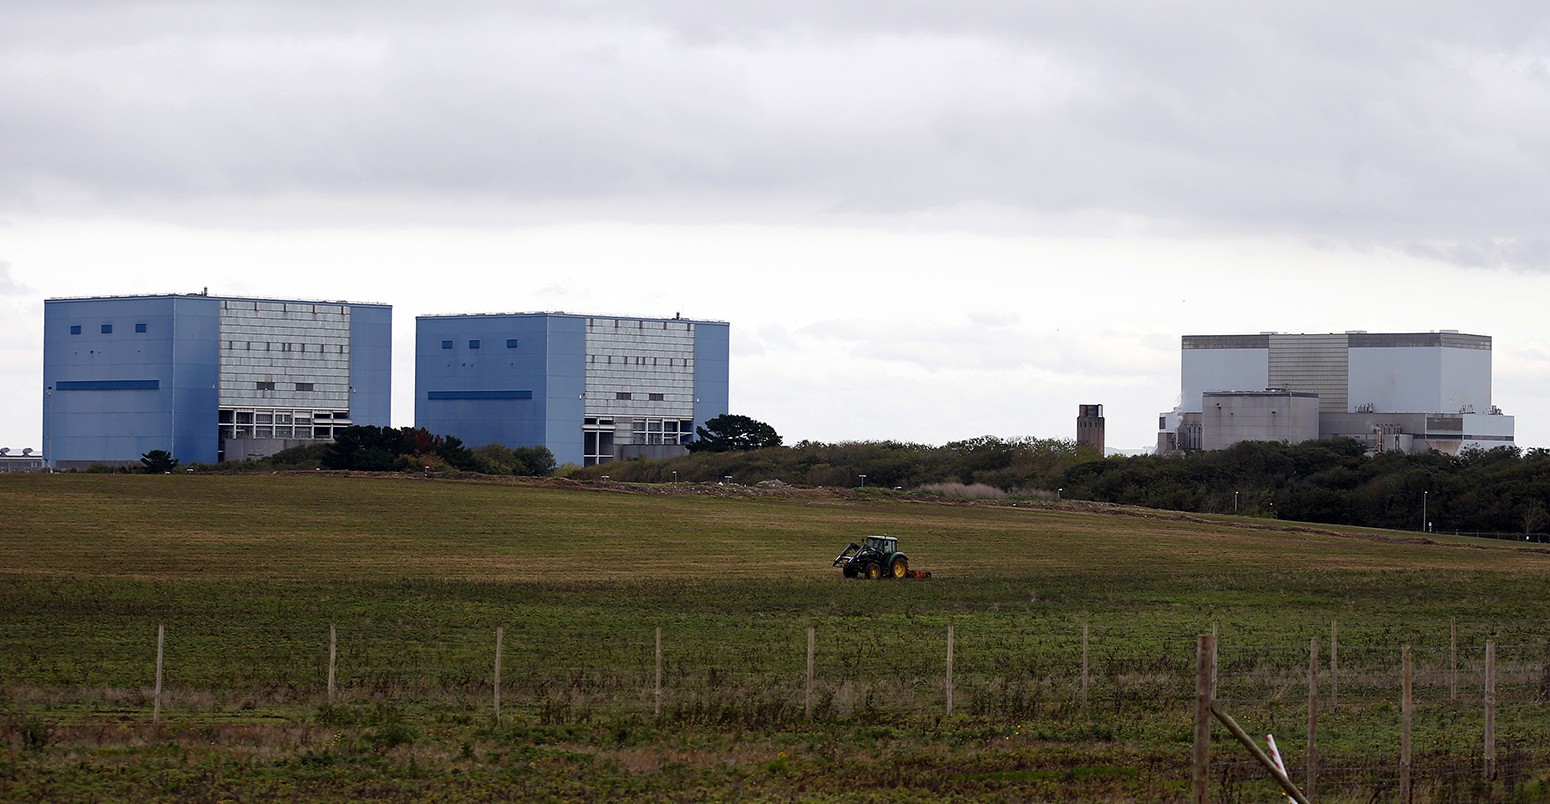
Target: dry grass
(961,491)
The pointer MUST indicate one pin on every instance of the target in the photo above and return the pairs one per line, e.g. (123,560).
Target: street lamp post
(1423,510)
(675,477)
(1059,492)
(1235,503)
(863,481)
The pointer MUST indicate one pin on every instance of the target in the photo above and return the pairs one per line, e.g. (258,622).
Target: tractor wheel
(900,568)
(873,571)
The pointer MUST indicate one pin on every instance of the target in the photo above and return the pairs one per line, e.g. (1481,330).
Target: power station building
(590,388)
(207,378)
(1410,392)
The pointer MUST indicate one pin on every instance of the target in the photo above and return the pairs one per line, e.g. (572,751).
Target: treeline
(1500,490)
(1504,490)
(405,449)
(1017,465)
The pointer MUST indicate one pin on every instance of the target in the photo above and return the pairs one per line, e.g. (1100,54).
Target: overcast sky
(925,221)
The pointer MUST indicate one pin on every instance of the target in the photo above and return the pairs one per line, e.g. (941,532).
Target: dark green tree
(533,461)
(157,461)
(451,450)
(732,433)
(370,448)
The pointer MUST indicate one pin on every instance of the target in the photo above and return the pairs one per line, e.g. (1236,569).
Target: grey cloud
(1531,253)
(8,284)
(1397,126)
(986,342)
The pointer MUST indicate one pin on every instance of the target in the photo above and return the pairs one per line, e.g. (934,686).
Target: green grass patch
(415,575)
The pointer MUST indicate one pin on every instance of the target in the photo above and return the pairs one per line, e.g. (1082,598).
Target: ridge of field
(366,528)
(248,573)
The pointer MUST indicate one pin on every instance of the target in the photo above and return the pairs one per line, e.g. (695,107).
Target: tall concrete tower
(1089,427)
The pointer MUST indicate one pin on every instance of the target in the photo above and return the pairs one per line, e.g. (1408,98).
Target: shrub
(960,491)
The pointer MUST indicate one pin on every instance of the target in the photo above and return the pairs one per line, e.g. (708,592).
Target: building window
(107,329)
(304,386)
(446,344)
(75,329)
(473,344)
(656,397)
(139,327)
(661,431)
(511,343)
(622,395)
(265,386)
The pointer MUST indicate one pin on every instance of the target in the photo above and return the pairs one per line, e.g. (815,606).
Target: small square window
(75,329)
(304,386)
(473,344)
(139,327)
(621,395)
(656,397)
(107,329)
(266,386)
(511,343)
(446,344)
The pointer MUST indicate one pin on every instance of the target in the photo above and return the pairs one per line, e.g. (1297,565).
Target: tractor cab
(887,545)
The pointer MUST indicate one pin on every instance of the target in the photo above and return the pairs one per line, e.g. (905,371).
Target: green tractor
(875,557)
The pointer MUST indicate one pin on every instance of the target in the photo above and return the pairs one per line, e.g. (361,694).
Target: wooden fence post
(1205,669)
(500,638)
(333,658)
(1404,733)
(161,632)
(807,701)
(658,708)
(949,670)
(1310,784)
(1490,711)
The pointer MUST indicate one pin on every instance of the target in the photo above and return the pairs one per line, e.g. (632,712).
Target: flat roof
(561,314)
(216,298)
(1452,339)
(1275,392)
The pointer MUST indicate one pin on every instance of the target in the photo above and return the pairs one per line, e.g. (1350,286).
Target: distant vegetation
(1026,466)
(1501,490)
(404,449)
(732,433)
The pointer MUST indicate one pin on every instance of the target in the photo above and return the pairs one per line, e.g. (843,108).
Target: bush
(975,491)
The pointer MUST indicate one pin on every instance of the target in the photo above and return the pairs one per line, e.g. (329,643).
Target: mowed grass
(248,573)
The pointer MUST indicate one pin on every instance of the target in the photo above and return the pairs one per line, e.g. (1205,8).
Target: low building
(592,389)
(1273,414)
(22,461)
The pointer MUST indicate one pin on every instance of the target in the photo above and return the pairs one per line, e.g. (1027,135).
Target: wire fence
(1477,712)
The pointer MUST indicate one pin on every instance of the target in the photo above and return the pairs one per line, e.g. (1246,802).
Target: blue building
(207,378)
(590,388)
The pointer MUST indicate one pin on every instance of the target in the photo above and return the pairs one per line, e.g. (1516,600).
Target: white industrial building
(1411,392)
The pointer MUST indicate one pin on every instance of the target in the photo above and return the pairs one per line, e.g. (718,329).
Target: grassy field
(248,574)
